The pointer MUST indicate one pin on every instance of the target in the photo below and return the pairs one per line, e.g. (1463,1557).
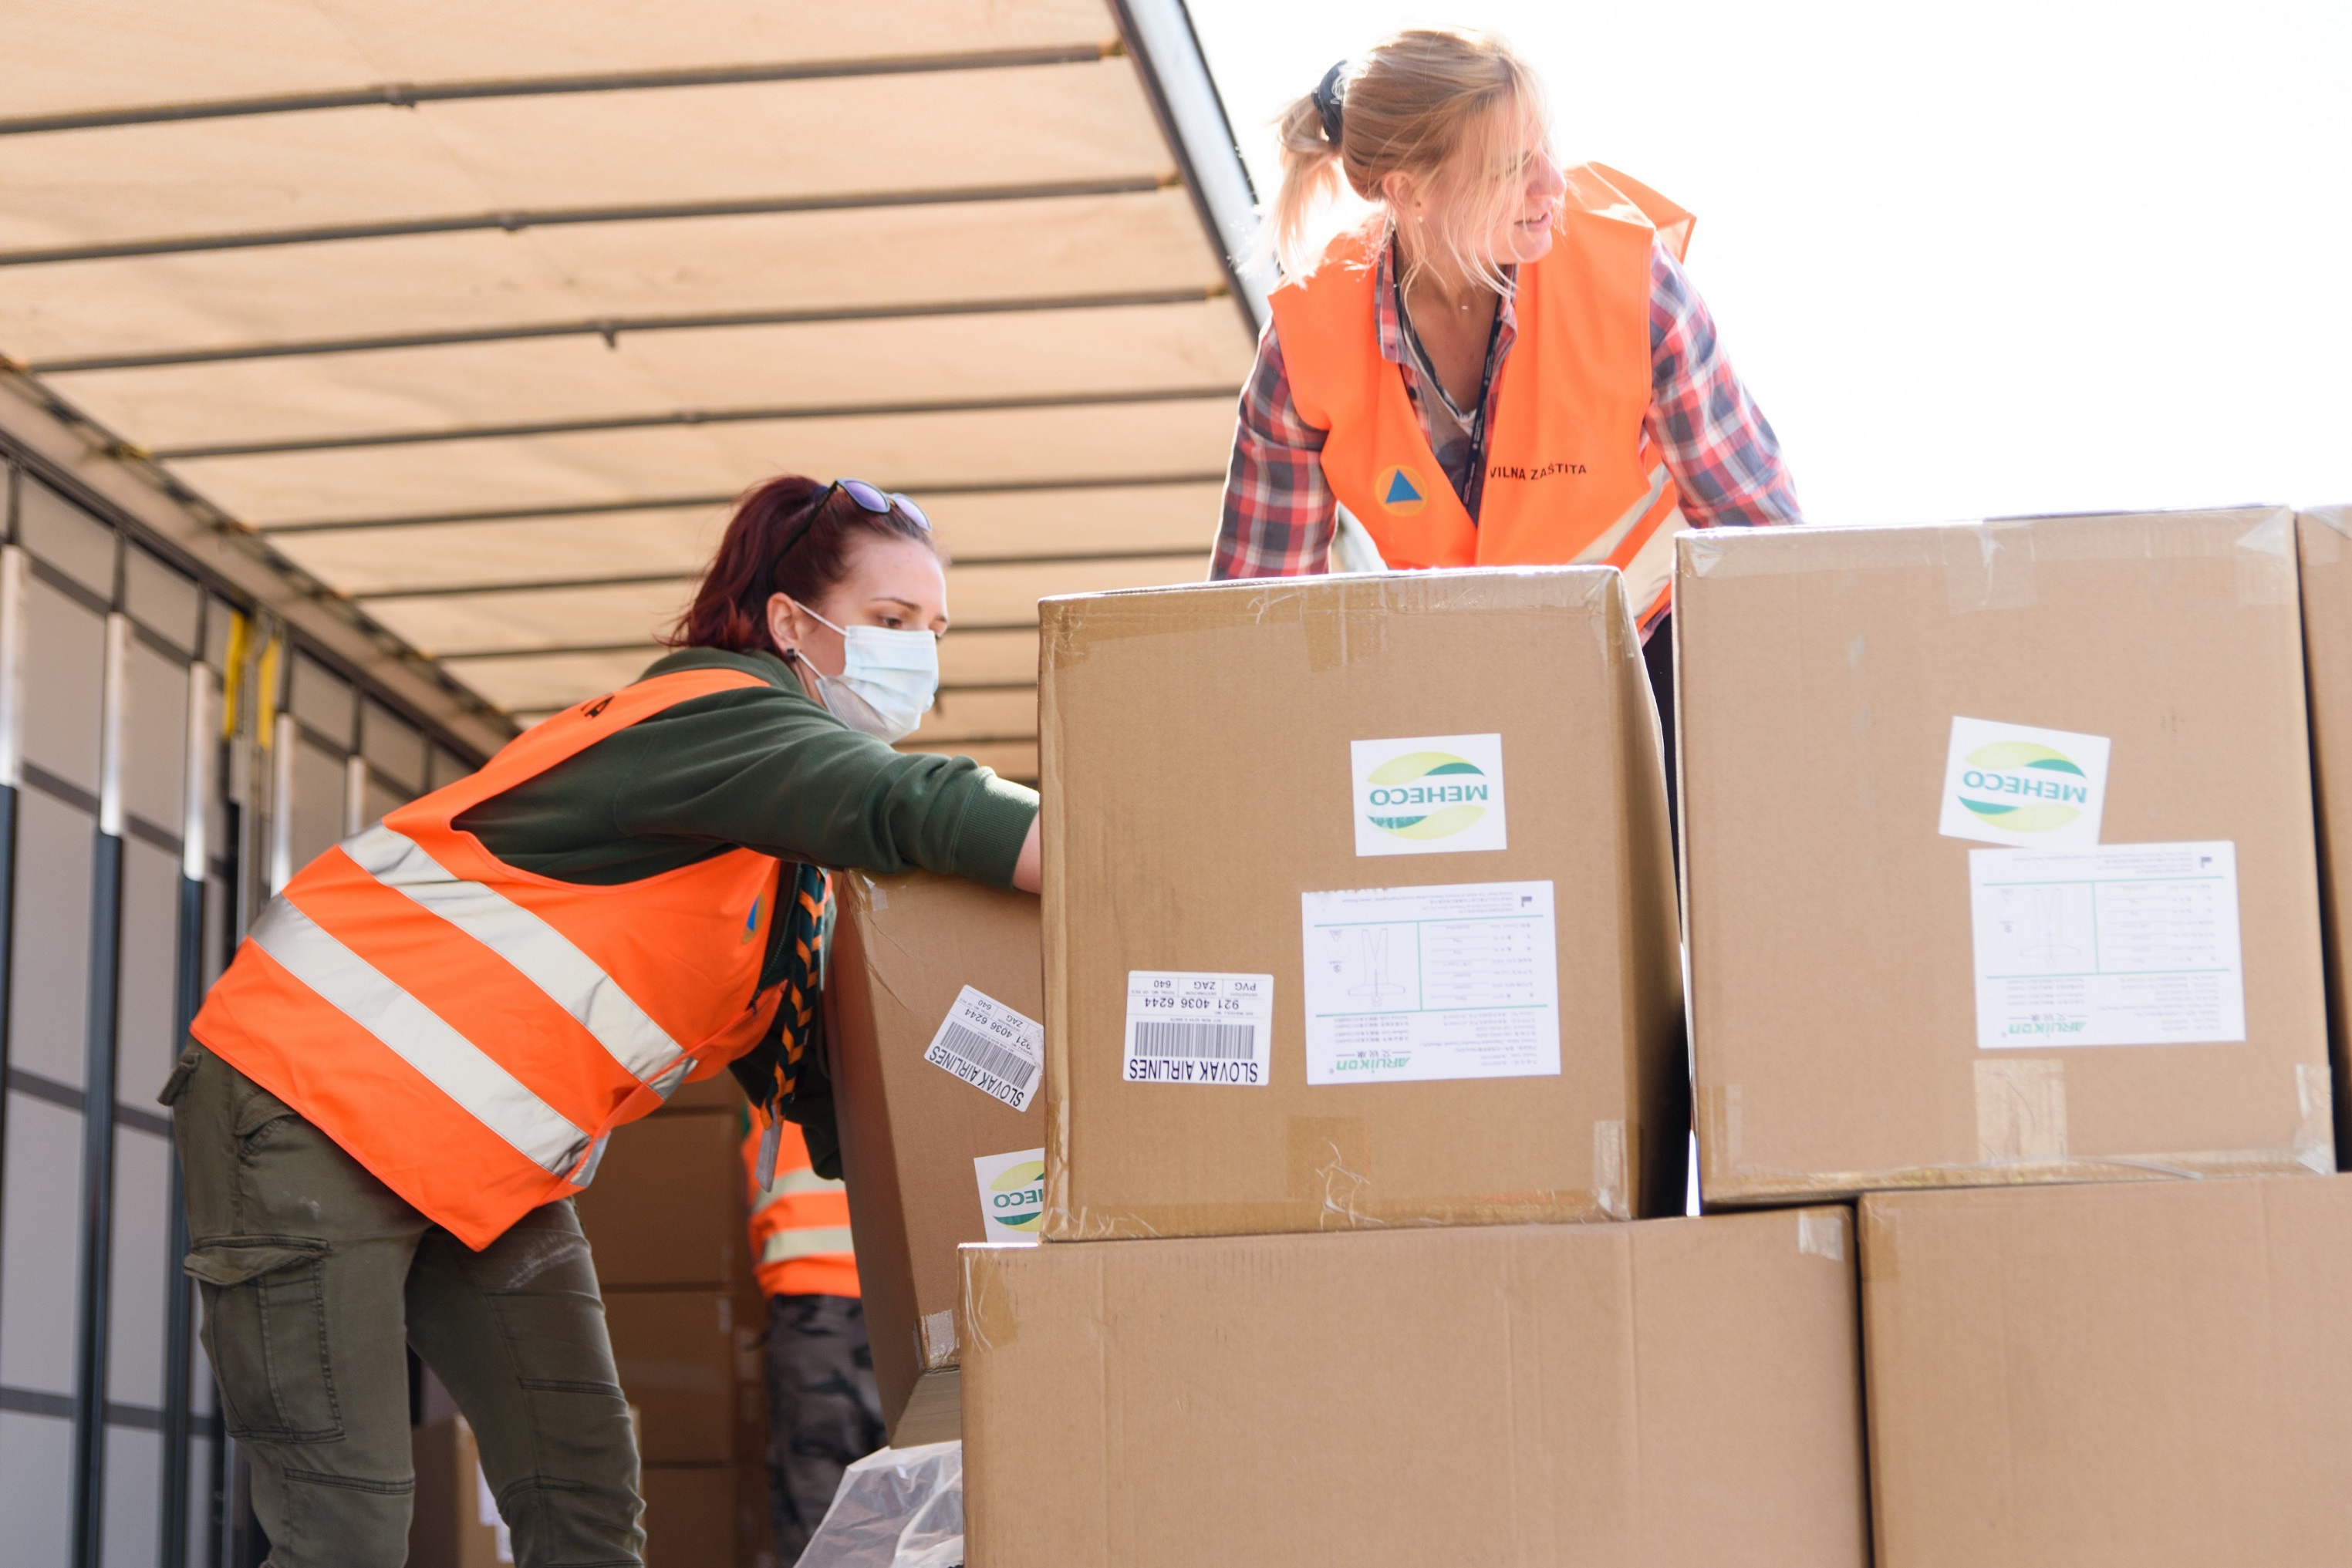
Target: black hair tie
(1330,98)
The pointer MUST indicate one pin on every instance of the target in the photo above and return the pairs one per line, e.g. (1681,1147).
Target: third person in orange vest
(824,1411)
(1505,365)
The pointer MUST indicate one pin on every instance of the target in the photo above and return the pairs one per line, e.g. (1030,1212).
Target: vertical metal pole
(285,742)
(12,726)
(354,794)
(253,671)
(12,665)
(179,1357)
(98,1114)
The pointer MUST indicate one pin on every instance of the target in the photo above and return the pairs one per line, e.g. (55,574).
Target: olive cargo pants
(315,1276)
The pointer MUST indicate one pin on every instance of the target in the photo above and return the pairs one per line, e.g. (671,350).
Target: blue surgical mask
(887,679)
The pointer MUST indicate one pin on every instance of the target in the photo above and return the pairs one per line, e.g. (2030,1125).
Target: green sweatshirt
(766,767)
(763,767)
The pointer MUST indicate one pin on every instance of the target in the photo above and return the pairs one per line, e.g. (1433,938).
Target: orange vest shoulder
(1569,475)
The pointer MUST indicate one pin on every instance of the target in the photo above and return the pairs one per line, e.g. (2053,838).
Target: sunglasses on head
(867,497)
(874,501)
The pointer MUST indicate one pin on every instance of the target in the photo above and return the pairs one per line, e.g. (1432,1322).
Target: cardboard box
(2151,1375)
(1235,773)
(1877,1003)
(1650,1395)
(915,1135)
(693,1516)
(689,1362)
(2325,538)
(454,1521)
(668,1206)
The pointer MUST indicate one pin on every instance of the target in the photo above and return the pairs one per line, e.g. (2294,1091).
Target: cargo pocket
(182,1071)
(266,1331)
(253,1112)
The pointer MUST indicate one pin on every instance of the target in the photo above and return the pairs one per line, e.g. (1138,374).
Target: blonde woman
(1504,365)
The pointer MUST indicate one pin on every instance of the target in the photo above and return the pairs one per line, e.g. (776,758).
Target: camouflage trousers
(823,1413)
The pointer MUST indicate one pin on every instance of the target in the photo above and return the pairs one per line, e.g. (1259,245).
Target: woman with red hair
(418,1052)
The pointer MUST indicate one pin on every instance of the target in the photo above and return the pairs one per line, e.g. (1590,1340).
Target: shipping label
(1416,983)
(1428,795)
(1185,1028)
(991,1048)
(1011,1193)
(2124,945)
(2011,784)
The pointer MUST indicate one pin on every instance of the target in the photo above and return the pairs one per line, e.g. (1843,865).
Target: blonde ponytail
(1310,176)
(1412,104)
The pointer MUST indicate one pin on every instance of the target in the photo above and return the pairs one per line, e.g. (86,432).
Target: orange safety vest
(1571,476)
(470,1032)
(800,1222)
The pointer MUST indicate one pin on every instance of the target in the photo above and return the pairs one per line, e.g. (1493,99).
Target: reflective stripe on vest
(457,1067)
(801,1239)
(816,1242)
(1571,476)
(788,1183)
(546,956)
(470,1032)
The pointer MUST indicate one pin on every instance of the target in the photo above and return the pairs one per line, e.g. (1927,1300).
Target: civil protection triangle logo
(1440,794)
(1402,490)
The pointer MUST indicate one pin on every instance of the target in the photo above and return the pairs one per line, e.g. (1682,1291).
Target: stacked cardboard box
(2326,539)
(2148,1374)
(1999,854)
(2000,871)
(453,1521)
(1652,1395)
(666,1219)
(934,995)
(1359,909)
(1359,918)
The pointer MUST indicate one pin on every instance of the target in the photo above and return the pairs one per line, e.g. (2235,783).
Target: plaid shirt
(1279,515)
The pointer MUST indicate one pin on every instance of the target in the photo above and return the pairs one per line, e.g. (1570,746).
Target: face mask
(886,682)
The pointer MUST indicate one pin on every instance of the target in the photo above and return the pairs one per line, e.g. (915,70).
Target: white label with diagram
(1406,984)
(1184,1028)
(2123,944)
(991,1048)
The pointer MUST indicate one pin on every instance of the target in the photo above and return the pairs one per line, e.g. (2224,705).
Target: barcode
(1196,1037)
(988,1056)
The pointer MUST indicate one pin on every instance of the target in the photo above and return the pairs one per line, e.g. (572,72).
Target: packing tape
(2021,1112)
(1330,1165)
(1988,566)
(2266,561)
(1063,1222)
(1346,636)
(2315,1133)
(2323,546)
(1609,1188)
(1760,552)
(1822,1233)
(989,1321)
(1880,1243)
(938,1339)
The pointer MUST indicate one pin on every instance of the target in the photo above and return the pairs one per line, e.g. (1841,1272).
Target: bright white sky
(2014,256)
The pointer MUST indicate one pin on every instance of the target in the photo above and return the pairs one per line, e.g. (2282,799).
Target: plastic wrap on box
(898,1508)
